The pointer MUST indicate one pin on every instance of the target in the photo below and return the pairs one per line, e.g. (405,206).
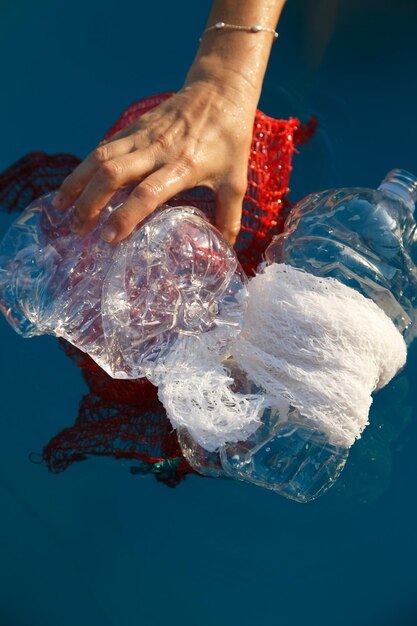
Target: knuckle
(186,162)
(162,142)
(147,191)
(110,171)
(140,138)
(100,154)
(180,172)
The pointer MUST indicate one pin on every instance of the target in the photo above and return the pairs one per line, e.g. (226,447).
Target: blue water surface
(96,546)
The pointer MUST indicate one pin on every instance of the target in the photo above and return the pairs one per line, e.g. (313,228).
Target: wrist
(230,81)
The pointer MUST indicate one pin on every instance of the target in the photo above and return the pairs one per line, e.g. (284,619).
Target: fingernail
(108,233)
(75,224)
(58,200)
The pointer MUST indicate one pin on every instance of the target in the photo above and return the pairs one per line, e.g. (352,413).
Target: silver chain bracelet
(256,28)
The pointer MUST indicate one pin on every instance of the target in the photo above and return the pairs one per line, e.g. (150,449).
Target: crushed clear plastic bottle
(125,305)
(366,239)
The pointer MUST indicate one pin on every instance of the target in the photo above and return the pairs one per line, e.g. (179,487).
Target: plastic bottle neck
(403,185)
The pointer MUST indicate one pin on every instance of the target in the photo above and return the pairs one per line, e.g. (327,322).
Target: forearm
(201,136)
(237,58)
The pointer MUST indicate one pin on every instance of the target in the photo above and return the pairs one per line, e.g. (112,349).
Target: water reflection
(137,432)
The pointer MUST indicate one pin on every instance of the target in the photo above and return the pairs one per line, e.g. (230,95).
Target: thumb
(228,215)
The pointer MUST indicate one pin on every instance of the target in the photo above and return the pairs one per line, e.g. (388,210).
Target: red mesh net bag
(124,419)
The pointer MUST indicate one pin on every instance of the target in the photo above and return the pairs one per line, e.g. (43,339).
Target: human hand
(199,136)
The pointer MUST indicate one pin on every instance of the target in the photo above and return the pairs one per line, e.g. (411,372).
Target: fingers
(156,189)
(229,199)
(110,176)
(76,182)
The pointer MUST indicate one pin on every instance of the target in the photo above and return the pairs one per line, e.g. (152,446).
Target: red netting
(269,169)
(119,418)
(32,176)
(124,419)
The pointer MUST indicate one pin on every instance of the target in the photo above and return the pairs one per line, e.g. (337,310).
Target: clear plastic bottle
(367,239)
(176,283)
